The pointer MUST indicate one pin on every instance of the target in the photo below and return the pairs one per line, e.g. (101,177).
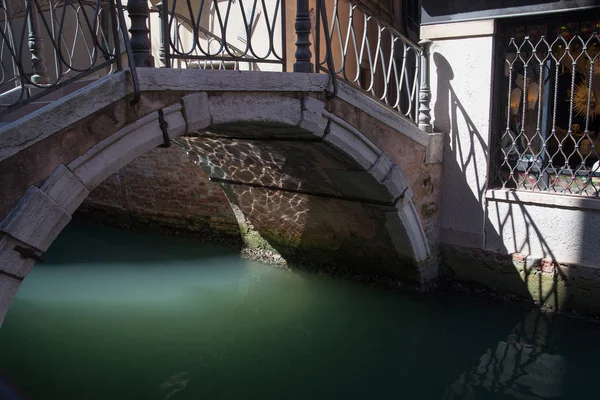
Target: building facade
(514,91)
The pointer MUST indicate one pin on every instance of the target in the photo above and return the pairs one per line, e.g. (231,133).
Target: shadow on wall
(311,222)
(479,253)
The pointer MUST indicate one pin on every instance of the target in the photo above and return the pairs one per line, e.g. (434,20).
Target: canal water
(126,315)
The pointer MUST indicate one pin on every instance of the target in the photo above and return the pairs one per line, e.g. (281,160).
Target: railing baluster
(163,31)
(424,89)
(139,12)
(303,54)
(36,46)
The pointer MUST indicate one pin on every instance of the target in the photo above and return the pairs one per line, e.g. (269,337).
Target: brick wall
(165,189)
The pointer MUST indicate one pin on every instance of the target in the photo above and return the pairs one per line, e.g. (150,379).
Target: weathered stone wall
(166,189)
(542,281)
(424,179)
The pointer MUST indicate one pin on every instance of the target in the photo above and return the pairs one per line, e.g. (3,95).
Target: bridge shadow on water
(121,249)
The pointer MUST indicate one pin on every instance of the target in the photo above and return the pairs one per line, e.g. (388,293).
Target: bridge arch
(256,144)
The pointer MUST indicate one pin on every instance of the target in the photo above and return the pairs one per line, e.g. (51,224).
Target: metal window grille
(549,105)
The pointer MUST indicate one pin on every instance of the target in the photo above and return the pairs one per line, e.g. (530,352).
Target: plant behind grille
(550,139)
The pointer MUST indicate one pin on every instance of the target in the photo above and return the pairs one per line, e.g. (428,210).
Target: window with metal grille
(547,104)
(412,18)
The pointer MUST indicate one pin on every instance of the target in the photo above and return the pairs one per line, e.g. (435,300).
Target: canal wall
(164,189)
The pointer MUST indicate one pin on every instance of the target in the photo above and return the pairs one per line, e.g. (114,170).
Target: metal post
(36,46)
(425,89)
(140,41)
(303,54)
(163,16)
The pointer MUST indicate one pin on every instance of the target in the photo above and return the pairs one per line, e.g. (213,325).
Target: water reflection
(211,325)
(520,367)
(175,383)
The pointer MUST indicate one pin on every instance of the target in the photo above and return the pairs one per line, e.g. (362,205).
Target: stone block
(313,119)
(435,149)
(36,220)
(11,261)
(255,107)
(398,235)
(116,151)
(385,115)
(352,143)
(381,168)
(171,79)
(65,189)
(176,125)
(62,113)
(397,184)
(412,223)
(196,111)
(8,290)
(429,271)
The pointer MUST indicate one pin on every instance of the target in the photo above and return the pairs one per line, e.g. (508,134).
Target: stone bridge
(343,182)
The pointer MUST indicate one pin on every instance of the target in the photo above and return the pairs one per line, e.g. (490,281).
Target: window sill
(543,199)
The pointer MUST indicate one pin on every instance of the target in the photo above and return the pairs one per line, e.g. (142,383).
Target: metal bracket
(28,253)
(164,127)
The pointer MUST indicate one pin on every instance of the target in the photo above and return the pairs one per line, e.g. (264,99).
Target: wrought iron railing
(551,130)
(48,44)
(221,34)
(351,45)
(180,29)
(356,46)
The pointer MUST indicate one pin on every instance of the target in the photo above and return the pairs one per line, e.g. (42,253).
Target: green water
(122,315)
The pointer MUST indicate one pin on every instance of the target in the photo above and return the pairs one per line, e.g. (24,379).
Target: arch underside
(315,188)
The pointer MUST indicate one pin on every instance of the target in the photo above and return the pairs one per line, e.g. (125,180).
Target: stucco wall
(566,231)
(461,81)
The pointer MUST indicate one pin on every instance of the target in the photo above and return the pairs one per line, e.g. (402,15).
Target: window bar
(545,106)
